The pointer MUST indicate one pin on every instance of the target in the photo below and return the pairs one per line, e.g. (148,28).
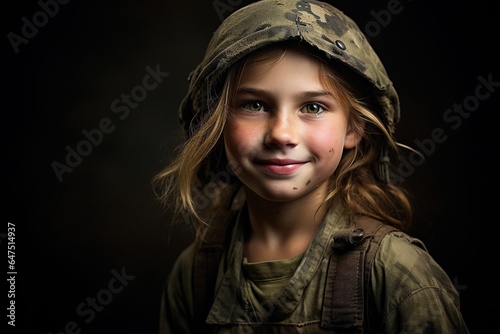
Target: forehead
(280,65)
(290,59)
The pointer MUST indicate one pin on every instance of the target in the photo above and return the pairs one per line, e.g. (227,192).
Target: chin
(278,195)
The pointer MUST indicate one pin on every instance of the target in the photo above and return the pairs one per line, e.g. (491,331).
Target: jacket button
(356,235)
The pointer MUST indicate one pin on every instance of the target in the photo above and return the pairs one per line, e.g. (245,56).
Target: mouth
(280,166)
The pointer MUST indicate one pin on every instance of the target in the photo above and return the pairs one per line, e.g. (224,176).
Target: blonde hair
(197,184)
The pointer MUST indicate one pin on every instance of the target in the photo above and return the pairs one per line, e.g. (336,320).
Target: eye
(253,106)
(313,108)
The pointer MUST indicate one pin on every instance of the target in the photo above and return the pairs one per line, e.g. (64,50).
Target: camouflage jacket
(409,292)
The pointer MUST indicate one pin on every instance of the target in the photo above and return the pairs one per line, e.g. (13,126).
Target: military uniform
(409,292)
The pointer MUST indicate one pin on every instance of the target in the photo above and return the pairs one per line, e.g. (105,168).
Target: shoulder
(183,266)
(404,261)
(178,287)
(408,287)
(176,302)
(399,247)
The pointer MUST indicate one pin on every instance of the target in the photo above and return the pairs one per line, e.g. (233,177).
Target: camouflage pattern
(336,36)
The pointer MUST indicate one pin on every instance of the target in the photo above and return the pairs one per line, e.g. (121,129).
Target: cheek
(239,140)
(325,144)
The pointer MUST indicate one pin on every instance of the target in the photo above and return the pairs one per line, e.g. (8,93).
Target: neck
(281,230)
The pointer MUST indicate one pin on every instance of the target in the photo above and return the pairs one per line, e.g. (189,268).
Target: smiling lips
(280,166)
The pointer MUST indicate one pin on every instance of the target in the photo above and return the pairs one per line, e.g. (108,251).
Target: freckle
(331,150)
(308,182)
(294,188)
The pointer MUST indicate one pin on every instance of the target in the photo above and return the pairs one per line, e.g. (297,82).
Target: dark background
(71,235)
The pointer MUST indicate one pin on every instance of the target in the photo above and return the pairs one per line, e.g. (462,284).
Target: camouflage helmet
(325,28)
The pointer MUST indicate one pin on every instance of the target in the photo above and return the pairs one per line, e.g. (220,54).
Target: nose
(282,130)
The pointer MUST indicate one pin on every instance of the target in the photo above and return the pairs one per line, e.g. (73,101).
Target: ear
(353,136)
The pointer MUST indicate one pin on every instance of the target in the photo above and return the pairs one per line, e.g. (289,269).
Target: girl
(289,123)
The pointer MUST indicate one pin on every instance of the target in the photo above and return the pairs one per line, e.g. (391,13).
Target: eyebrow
(304,94)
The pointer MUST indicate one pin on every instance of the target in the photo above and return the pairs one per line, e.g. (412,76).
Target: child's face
(286,133)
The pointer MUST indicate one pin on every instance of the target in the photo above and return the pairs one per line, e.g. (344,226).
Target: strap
(205,268)
(348,274)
